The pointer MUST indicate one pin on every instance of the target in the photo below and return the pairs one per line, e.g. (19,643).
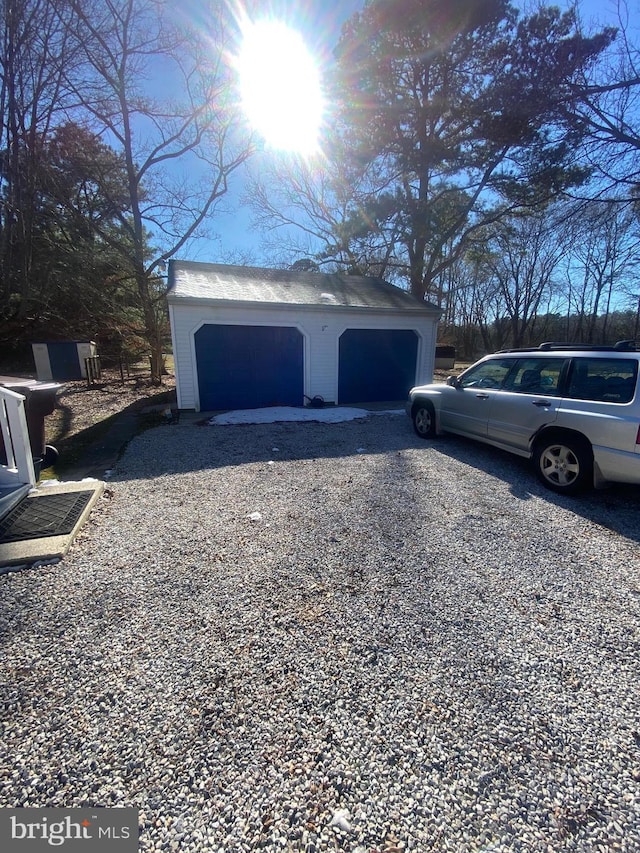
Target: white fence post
(18,469)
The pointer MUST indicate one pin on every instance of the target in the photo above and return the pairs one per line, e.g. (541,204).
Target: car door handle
(482,396)
(542,403)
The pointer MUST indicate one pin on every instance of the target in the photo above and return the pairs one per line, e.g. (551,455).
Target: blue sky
(319,22)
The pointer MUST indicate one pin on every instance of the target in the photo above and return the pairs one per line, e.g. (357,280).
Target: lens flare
(280,86)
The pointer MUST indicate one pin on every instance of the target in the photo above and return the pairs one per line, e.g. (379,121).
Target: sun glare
(280,86)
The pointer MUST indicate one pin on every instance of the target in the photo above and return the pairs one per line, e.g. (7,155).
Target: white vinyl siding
(321,330)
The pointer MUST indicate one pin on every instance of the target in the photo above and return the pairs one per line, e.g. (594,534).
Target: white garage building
(245,337)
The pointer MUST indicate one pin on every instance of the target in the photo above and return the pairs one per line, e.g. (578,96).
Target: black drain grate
(47,515)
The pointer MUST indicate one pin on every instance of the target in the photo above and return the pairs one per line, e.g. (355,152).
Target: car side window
(604,380)
(488,374)
(536,376)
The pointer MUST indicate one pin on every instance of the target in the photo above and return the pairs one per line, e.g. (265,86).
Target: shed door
(64,361)
(248,367)
(376,365)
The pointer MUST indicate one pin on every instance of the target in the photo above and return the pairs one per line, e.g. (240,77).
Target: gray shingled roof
(194,281)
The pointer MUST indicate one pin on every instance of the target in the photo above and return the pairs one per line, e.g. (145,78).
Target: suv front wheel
(423,417)
(564,463)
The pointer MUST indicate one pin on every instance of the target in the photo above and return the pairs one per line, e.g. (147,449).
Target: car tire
(424,419)
(564,463)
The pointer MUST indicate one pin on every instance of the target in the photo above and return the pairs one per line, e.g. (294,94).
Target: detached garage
(245,337)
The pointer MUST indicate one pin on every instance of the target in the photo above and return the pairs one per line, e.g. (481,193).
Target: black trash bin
(40,401)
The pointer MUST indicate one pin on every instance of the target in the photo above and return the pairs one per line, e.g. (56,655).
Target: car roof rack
(626,346)
(619,346)
(555,346)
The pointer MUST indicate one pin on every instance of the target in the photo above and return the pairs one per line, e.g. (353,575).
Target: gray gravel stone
(314,637)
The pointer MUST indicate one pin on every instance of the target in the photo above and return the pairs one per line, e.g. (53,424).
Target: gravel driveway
(333,636)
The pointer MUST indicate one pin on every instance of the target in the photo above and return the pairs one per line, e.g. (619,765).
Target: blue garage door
(376,365)
(248,367)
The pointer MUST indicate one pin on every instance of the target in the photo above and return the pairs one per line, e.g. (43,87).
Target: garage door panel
(249,366)
(376,365)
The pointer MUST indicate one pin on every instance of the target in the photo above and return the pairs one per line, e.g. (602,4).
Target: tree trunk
(152,325)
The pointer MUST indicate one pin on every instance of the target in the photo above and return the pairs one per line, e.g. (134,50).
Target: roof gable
(195,281)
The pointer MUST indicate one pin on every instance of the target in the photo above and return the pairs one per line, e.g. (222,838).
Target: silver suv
(573,410)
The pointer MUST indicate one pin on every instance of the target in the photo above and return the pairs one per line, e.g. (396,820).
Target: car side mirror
(453,381)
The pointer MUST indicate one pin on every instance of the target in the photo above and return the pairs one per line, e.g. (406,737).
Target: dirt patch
(83,413)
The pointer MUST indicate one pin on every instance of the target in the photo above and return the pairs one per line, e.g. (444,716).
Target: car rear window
(603,380)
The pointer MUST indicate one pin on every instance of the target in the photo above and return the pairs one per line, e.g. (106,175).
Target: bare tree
(602,266)
(524,259)
(36,57)
(607,103)
(312,208)
(180,152)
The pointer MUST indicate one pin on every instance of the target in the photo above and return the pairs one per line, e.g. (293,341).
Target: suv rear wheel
(423,416)
(564,463)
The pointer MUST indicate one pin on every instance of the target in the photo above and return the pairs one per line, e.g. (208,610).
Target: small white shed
(245,337)
(63,360)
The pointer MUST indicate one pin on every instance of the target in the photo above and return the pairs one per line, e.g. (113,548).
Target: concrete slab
(31,551)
